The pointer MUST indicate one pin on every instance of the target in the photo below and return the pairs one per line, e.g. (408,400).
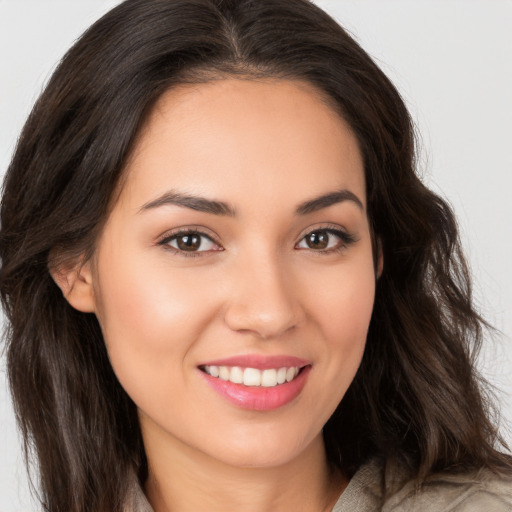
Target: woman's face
(239,249)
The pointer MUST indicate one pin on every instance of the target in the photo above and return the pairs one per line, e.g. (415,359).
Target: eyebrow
(193,202)
(214,207)
(323,201)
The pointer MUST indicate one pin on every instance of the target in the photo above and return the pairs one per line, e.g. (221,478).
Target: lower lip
(256,398)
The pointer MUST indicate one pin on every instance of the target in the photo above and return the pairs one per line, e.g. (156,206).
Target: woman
(226,287)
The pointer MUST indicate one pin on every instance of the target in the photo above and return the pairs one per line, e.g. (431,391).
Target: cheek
(150,317)
(343,305)
(351,311)
(342,301)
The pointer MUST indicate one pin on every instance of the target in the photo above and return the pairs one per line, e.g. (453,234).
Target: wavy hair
(416,399)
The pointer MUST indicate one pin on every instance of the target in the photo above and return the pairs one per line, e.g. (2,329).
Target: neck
(181,479)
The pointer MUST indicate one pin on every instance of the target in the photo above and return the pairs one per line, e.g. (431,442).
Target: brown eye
(326,240)
(317,240)
(190,242)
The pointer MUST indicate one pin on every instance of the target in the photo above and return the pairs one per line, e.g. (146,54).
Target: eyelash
(346,241)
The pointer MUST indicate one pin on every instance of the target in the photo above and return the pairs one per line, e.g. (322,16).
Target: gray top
(372,489)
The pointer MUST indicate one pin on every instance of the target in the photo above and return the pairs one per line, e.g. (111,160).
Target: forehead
(245,138)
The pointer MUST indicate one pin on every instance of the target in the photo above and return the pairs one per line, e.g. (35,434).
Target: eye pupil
(189,242)
(318,240)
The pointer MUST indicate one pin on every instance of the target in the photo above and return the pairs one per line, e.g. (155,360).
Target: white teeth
(269,378)
(290,374)
(236,375)
(252,376)
(281,375)
(224,373)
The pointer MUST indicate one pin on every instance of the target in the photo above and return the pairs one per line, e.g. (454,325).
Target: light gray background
(452,62)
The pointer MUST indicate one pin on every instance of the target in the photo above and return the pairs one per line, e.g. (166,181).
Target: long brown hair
(416,398)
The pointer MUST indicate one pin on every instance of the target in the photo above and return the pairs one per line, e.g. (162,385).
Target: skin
(258,287)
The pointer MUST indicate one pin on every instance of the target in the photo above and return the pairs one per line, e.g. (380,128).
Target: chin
(265,451)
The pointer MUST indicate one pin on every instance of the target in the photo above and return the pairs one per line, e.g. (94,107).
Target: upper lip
(260,362)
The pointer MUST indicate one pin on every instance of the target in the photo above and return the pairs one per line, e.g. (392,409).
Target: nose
(263,298)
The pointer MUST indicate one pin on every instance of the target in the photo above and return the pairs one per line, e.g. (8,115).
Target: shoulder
(466,492)
(388,488)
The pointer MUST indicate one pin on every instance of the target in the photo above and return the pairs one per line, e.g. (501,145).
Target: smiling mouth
(253,377)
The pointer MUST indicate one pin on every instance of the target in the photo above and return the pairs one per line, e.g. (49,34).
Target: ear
(76,284)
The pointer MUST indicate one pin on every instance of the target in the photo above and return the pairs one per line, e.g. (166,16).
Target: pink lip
(259,362)
(258,398)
